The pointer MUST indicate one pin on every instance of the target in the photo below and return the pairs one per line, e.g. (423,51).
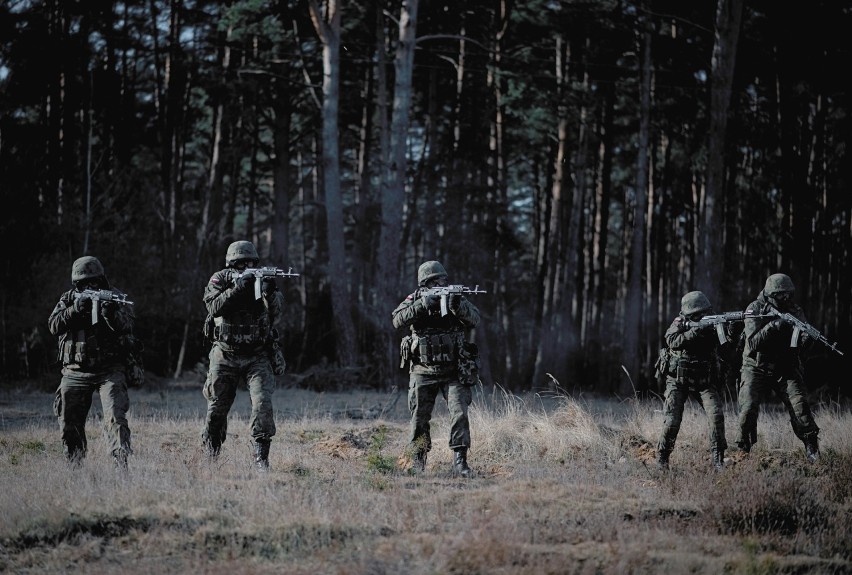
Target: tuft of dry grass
(562,486)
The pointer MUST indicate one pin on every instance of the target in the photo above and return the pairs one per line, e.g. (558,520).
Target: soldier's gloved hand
(83,304)
(268,286)
(107,310)
(454,302)
(244,282)
(432,302)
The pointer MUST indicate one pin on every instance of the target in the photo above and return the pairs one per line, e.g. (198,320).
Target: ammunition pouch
(240,334)
(435,349)
(276,355)
(82,350)
(405,351)
(134,371)
(661,366)
(468,363)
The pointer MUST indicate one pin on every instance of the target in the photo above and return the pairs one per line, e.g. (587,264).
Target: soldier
(244,330)
(692,370)
(772,362)
(94,354)
(439,360)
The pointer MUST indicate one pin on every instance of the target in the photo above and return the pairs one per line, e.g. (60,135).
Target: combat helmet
(694,302)
(777,283)
(241,250)
(86,267)
(430,270)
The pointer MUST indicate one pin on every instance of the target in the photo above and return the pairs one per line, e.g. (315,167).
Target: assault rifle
(265,272)
(800,326)
(445,291)
(97,295)
(720,320)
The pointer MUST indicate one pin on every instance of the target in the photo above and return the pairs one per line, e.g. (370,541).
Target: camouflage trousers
(755,385)
(678,390)
(73,400)
(226,370)
(423,391)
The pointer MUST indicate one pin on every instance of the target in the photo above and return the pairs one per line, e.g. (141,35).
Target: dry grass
(562,486)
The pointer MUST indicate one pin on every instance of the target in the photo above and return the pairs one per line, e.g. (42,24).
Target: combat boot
(212,449)
(119,458)
(460,466)
(718,458)
(812,448)
(663,459)
(261,454)
(419,463)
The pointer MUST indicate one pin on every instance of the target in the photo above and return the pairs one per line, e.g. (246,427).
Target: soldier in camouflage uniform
(692,370)
(435,351)
(772,362)
(93,357)
(243,332)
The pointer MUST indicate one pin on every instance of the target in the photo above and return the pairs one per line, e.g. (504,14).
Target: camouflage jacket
(242,322)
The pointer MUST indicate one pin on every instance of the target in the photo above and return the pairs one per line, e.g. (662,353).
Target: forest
(586,163)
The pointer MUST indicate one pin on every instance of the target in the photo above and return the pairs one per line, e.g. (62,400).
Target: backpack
(661,366)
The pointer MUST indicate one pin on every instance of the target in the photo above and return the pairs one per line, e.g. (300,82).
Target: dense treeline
(586,163)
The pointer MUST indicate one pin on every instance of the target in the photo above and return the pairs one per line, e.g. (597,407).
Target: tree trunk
(710,265)
(328,29)
(633,325)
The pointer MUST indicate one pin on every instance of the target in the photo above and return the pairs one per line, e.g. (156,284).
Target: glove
(268,286)
(107,310)
(83,304)
(244,282)
(454,302)
(431,302)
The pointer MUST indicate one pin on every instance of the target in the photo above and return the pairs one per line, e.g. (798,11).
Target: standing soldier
(244,330)
(772,362)
(439,360)
(692,369)
(94,325)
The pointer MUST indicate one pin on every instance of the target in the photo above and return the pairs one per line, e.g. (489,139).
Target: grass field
(562,486)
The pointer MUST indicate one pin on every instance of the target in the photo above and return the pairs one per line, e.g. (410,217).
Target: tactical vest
(85,349)
(242,328)
(435,348)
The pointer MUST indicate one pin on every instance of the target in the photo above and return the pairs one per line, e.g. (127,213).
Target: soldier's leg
(73,403)
(421,402)
(675,395)
(751,390)
(792,394)
(261,385)
(712,403)
(116,403)
(459,397)
(220,389)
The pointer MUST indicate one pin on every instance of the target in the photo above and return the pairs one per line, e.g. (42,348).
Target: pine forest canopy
(585,163)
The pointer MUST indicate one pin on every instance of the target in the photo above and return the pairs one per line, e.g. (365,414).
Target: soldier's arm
(678,336)
(467,314)
(765,334)
(64,318)
(275,300)
(219,294)
(408,311)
